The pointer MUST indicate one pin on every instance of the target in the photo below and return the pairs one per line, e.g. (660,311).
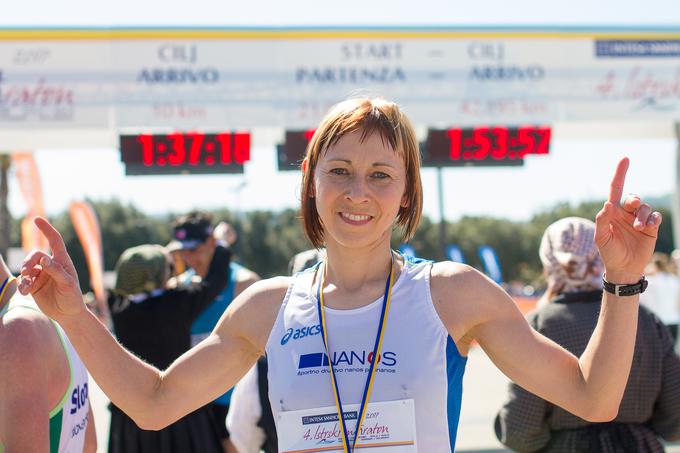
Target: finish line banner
(250,78)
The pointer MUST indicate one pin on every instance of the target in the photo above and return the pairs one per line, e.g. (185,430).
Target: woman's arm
(152,398)
(522,422)
(591,386)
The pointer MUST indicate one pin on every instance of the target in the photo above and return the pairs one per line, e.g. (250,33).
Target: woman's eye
(380,175)
(339,171)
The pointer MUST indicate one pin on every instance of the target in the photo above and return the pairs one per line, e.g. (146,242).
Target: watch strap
(625,290)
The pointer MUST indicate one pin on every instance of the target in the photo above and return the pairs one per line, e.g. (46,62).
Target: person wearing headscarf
(154,322)
(650,409)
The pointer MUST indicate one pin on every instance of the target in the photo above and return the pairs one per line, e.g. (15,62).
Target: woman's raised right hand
(52,279)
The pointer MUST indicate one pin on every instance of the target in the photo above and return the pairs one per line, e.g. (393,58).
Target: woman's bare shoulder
(269,292)
(448,273)
(253,313)
(463,296)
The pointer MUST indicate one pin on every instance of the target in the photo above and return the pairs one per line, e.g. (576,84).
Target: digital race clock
(184,152)
(496,145)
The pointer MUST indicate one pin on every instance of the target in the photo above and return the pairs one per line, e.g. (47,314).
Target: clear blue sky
(575,170)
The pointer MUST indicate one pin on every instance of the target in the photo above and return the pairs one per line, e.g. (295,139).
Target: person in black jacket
(650,408)
(154,323)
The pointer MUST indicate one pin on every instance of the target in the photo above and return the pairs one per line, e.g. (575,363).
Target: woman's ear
(304,165)
(404,201)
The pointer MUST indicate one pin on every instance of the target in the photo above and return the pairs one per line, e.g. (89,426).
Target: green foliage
(267,240)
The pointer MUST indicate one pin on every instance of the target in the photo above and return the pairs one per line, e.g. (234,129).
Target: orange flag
(87,228)
(28,177)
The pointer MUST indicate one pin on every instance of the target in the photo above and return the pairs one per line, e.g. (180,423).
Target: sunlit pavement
(484,390)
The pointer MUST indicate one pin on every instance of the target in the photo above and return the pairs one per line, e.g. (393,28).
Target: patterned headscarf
(570,257)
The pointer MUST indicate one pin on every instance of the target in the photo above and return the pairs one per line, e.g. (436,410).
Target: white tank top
(418,360)
(68,419)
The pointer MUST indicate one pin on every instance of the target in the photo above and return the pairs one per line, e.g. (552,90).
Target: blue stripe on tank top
(455,368)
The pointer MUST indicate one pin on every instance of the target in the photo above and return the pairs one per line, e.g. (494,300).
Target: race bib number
(388,426)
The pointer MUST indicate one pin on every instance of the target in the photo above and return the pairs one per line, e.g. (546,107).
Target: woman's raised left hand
(625,233)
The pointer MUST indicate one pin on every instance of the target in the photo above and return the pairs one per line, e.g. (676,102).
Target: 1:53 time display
(483,145)
(185,152)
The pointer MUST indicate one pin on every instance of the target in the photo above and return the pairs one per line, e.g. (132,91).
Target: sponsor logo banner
(635,48)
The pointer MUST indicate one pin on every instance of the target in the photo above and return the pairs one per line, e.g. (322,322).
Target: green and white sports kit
(68,419)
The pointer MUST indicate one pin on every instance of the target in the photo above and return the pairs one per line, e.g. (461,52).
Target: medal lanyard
(373,363)
(3,289)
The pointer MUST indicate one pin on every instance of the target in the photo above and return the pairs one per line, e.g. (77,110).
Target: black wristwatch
(626,290)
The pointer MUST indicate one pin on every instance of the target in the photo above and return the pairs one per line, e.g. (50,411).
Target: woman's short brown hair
(368,116)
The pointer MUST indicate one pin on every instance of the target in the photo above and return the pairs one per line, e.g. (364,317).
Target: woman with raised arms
(369,333)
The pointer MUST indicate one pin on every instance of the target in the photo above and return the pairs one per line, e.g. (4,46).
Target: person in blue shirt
(194,242)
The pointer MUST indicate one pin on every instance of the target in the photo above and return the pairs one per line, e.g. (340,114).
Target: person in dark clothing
(650,408)
(194,242)
(154,323)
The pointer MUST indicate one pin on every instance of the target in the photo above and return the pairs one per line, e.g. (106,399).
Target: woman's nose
(356,190)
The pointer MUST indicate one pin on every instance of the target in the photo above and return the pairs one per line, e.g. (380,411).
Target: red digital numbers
(177,154)
(196,147)
(234,148)
(309,133)
(484,145)
(185,152)
(146,140)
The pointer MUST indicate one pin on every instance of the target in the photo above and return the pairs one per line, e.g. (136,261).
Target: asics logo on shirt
(297,334)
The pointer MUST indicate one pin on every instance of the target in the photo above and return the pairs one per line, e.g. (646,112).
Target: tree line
(268,239)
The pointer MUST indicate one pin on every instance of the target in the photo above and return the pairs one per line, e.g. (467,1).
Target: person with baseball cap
(195,241)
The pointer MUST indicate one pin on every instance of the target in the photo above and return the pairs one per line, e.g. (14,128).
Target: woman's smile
(355,219)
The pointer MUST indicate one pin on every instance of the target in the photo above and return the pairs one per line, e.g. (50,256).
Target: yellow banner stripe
(304,34)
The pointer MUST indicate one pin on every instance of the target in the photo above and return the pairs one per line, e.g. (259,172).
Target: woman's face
(359,188)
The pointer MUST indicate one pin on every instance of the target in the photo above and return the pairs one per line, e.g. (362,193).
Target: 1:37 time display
(185,152)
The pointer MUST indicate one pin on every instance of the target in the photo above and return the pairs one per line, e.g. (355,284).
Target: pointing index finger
(53,237)
(616,187)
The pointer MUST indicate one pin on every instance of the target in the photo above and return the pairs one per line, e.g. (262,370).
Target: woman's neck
(350,270)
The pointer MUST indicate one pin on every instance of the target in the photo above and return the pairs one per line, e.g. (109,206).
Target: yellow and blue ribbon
(3,289)
(373,363)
